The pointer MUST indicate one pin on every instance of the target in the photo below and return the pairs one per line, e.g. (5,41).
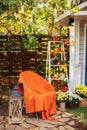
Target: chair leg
(37,116)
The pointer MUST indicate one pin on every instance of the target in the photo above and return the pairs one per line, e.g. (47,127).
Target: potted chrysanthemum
(73,100)
(61,99)
(81,90)
(62,71)
(64,84)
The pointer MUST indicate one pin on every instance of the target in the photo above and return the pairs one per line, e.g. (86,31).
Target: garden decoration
(15,107)
(56,65)
(73,100)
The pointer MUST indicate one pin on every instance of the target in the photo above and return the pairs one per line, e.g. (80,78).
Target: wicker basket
(83,102)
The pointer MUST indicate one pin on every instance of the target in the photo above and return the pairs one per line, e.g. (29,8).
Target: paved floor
(66,121)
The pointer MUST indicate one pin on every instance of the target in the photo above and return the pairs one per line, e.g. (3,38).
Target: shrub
(81,90)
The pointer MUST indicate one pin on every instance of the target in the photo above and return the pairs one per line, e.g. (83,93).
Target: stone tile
(75,118)
(41,123)
(9,127)
(68,114)
(2,127)
(44,128)
(56,123)
(35,128)
(1,118)
(72,123)
(64,119)
(54,129)
(19,128)
(58,112)
(67,127)
(25,125)
(58,117)
(61,128)
(64,115)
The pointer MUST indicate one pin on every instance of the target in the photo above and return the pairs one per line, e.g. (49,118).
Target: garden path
(66,121)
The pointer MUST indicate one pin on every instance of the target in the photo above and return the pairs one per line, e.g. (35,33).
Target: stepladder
(56,68)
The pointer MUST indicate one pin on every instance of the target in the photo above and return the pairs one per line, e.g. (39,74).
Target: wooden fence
(15,59)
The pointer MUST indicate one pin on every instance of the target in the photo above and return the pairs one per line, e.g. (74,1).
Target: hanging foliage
(27,17)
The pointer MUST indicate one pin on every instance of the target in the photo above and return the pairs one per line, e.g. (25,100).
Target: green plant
(83,122)
(64,82)
(55,72)
(62,69)
(1,100)
(9,92)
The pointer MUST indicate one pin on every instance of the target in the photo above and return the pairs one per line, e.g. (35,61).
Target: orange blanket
(39,95)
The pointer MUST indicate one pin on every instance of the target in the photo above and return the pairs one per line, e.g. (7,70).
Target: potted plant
(62,70)
(73,100)
(81,90)
(64,87)
(61,99)
(58,72)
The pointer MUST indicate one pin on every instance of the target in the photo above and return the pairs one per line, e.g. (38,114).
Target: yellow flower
(81,90)
(63,69)
(61,97)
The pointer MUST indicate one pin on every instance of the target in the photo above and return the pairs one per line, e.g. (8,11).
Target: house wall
(82,48)
(77,66)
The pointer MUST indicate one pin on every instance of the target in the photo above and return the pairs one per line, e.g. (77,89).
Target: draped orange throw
(39,95)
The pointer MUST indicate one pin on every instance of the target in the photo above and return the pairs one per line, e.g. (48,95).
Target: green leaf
(75,10)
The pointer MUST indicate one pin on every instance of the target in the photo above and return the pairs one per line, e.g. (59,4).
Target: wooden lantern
(15,107)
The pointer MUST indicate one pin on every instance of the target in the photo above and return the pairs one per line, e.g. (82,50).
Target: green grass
(79,111)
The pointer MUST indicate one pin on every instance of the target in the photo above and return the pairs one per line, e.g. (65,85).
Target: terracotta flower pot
(62,105)
(56,38)
(64,88)
(72,106)
(83,102)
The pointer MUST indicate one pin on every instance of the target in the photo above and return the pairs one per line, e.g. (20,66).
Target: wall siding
(81,49)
